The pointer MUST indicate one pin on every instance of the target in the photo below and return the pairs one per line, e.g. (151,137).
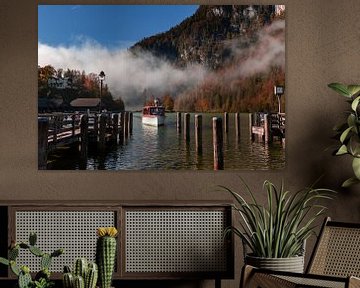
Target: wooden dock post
(218,144)
(126,124)
(237,125)
(122,128)
(187,127)
(84,132)
(131,120)
(226,122)
(267,127)
(115,127)
(250,125)
(96,126)
(73,119)
(198,133)
(102,131)
(178,122)
(43,133)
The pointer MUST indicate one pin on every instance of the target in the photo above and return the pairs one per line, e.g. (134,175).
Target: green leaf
(351,120)
(340,88)
(349,182)
(355,103)
(4,261)
(342,150)
(354,146)
(340,127)
(353,89)
(345,134)
(356,167)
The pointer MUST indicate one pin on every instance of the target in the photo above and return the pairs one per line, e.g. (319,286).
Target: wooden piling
(218,144)
(226,122)
(73,120)
(250,125)
(267,126)
(43,133)
(187,127)
(131,120)
(102,131)
(55,129)
(115,128)
(178,122)
(122,128)
(84,132)
(96,126)
(198,133)
(126,124)
(237,125)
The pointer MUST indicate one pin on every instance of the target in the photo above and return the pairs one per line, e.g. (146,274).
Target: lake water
(162,148)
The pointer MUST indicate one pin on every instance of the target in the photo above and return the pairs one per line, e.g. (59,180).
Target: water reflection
(164,148)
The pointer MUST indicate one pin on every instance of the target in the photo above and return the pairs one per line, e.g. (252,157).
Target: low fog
(127,76)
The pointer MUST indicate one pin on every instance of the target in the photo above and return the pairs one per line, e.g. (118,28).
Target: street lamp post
(102,78)
(278,91)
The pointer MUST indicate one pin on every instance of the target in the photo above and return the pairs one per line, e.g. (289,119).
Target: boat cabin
(154,110)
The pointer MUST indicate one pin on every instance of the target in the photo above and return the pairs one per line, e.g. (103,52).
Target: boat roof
(152,106)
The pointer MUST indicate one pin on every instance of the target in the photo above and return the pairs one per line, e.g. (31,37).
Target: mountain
(203,37)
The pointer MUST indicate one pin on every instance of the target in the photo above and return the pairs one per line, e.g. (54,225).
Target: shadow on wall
(317,148)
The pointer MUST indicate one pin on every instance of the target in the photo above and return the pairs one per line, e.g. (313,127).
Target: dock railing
(62,129)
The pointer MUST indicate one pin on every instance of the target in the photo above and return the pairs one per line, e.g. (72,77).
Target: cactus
(80,268)
(105,254)
(42,278)
(36,251)
(68,280)
(4,261)
(79,282)
(45,261)
(44,273)
(32,238)
(24,280)
(91,276)
(14,268)
(88,273)
(13,253)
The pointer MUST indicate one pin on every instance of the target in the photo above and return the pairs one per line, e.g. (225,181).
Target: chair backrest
(337,251)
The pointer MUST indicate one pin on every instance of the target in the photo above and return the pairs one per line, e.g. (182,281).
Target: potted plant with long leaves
(275,234)
(348,132)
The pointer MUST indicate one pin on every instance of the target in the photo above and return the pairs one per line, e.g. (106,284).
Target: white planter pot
(291,264)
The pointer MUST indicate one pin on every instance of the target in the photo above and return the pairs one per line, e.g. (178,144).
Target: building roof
(85,102)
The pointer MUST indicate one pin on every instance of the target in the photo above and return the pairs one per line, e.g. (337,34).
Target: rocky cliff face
(203,38)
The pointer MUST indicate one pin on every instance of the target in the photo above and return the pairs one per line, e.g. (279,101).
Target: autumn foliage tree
(82,86)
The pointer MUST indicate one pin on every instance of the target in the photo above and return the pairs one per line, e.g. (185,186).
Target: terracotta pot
(291,264)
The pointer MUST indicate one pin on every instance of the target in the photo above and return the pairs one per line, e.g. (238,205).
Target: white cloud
(126,75)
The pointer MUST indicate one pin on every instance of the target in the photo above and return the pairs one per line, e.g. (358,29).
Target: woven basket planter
(291,264)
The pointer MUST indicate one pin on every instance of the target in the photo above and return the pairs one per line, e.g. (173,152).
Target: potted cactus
(84,275)
(106,254)
(42,278)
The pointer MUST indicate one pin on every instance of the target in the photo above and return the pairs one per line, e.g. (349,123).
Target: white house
(60,83)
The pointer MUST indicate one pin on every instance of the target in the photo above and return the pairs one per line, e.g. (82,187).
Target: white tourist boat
(153,115)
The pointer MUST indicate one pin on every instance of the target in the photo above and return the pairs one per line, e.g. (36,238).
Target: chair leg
(217,283)
(354,282)
(246,273)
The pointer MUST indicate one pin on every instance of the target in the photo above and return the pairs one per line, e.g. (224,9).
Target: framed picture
(161,87)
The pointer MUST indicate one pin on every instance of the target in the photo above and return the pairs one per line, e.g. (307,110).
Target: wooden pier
(58,130)
(266,126)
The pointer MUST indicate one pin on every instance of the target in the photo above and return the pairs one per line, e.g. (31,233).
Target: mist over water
(127,75)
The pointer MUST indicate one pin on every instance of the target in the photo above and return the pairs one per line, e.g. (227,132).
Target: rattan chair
(334,263)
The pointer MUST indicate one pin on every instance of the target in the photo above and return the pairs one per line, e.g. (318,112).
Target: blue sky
(112,26)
